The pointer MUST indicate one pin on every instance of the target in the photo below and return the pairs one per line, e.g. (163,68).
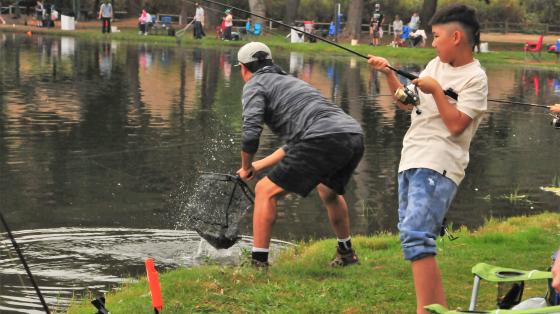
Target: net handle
(247,191)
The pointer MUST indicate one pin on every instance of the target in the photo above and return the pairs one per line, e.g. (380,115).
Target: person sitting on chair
(418,38)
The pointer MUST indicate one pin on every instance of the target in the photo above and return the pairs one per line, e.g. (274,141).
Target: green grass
(300,280)
(512,57)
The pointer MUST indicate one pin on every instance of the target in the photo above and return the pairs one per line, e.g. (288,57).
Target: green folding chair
(514,279)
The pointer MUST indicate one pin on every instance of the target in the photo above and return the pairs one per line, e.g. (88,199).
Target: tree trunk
(258,7)
(184,11)
(428,10)
(77,8)
(134,7)
(17,11)
(213,14)
(96,6)
(291,11)
(354,22)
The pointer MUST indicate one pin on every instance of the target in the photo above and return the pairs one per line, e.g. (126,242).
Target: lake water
(98,139)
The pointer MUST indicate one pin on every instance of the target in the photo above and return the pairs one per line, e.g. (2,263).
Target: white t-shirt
(428,143)
(414,21)
(397,26)
(199,15)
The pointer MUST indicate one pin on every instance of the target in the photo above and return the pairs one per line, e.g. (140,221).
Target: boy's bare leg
(427,282)
(264,213)
(337,211)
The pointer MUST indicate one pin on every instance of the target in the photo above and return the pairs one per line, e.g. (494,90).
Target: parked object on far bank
(67,23)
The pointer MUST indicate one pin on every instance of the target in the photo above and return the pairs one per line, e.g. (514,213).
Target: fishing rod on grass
(24,263)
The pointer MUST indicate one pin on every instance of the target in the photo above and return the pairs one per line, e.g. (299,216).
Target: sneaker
(345,258)
(259,264)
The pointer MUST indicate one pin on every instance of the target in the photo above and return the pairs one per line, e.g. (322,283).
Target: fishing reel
(408,97)
(555,121)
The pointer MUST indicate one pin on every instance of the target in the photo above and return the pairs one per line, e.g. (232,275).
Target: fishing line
(408,75)
(518,103)
(450,93)
(24,263)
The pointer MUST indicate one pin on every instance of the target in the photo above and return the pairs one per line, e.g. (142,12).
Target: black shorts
(329,159)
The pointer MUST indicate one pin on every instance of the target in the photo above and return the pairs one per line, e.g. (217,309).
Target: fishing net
(216,208)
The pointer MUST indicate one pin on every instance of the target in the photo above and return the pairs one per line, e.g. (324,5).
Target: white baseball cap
(246,54)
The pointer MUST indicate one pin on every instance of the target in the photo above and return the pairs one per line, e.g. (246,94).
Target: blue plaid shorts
(424,198)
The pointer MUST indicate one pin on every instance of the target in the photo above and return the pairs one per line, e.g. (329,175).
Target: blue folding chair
(257,29)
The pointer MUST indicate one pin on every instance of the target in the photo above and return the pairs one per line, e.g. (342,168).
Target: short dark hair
(462,14)
(260,63)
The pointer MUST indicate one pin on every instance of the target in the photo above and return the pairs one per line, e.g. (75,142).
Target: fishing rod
(24,263)
(408,75)
(404,94)
(518,103)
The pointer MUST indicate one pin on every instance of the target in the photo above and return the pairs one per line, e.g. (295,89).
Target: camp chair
(438,309)
(257,29)
(503,276)
(554,49)
(534,46)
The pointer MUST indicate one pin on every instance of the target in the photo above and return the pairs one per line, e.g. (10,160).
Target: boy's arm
(381,64)
(247,171)
(250,168)
(455,120)
(269,160)
(555,108)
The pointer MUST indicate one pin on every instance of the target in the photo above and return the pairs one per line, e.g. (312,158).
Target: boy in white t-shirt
(435,150)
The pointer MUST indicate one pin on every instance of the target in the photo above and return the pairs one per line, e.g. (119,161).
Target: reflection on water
(100,135)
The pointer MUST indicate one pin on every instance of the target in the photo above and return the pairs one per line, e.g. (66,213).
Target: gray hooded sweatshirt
(291,108)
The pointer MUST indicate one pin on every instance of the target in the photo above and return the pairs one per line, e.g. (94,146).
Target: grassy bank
(514,56)
(301,282)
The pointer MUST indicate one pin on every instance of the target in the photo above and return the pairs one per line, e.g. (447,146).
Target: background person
(397,30)
(199,22)
(105,15)
(375,27)
(39,12)
(228,24)
(2,20)
(143,21)
(414,23)
(435,150)
(248,26)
